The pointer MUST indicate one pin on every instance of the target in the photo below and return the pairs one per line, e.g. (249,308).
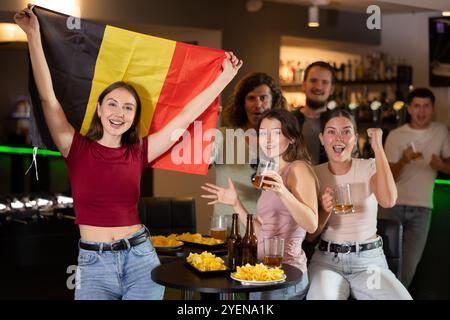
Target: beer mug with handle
(342,199)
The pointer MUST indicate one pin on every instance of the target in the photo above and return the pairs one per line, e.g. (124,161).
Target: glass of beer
(263,167)
(417,155)
(273,251)
(219,227)
(343,199)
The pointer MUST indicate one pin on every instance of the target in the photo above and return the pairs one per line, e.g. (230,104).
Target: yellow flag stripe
(139,59)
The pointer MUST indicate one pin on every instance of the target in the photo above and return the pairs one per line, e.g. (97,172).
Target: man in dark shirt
(318,85)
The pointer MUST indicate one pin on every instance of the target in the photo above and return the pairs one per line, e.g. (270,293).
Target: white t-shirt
(362,224)
(416,181)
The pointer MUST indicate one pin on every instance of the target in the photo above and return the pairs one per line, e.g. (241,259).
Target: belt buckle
(345,248)
(116,246)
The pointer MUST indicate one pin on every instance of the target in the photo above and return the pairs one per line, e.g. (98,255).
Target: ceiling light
(313,17)
(69,7)
(11,32)
(446,13)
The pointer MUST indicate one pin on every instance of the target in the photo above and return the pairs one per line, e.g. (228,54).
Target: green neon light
(45,152)
(440,181)
(19,150)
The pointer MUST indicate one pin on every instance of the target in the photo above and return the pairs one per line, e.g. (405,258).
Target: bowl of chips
(163,242)
(258,274)
(198,240)
(206,262)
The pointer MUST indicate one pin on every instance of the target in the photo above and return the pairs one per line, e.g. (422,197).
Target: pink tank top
(277,221)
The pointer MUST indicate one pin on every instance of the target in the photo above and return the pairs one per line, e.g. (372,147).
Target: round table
(178,274)
(183,251)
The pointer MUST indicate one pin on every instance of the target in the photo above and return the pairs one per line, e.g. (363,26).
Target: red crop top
(105,181)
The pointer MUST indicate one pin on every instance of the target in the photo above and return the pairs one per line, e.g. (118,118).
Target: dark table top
(178,274)
(183,251)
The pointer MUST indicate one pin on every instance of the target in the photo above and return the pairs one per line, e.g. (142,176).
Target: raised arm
(158,142)
(60,129)
(382,182)
(299,195)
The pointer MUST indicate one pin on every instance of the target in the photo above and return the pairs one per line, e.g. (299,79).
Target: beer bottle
(234,245)
(249,243)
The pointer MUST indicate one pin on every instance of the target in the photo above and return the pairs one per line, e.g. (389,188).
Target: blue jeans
(364,275)
(295,292)
(416,224)
(124,274)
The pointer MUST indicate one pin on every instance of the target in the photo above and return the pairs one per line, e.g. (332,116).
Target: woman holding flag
(105,167)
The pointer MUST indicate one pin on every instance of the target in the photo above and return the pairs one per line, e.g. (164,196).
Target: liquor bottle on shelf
(298,73)
(292,73)
(284,72)
(381,66)
(360,70)
(234,245)
(249,243)
(348,73)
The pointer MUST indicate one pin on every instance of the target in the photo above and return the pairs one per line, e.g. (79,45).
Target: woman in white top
(349,259)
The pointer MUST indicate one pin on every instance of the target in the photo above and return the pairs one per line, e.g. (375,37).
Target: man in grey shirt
(318,85)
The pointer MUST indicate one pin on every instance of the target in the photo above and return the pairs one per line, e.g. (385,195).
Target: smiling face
(256,102)
(421,111)
(117,112)
(271,139)
(339,139)
(318,87)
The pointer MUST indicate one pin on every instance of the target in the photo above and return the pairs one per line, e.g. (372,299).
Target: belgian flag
(85,57)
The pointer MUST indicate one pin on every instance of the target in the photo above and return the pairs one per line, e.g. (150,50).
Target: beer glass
(343,199)
(273,251)
(417,155)
(219,227)
(260,178)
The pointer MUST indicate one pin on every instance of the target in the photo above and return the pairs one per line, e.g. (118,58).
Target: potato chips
(206,261)
(174,239)
(258,272)
(198,238)
(162,241)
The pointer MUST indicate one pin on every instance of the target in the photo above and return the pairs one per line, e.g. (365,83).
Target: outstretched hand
(231,65)
(221,195)
(27,20)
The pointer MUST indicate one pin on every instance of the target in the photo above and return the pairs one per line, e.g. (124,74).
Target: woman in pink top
(116,256)
(350,258)
(288,208)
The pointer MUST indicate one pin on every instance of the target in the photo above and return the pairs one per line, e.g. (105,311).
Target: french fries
(206,261)
(258,272)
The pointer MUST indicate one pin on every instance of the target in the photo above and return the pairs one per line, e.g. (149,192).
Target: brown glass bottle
(249,243)
(234,245)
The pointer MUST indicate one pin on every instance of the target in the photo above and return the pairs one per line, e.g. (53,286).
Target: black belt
(118,245)
(343,248)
